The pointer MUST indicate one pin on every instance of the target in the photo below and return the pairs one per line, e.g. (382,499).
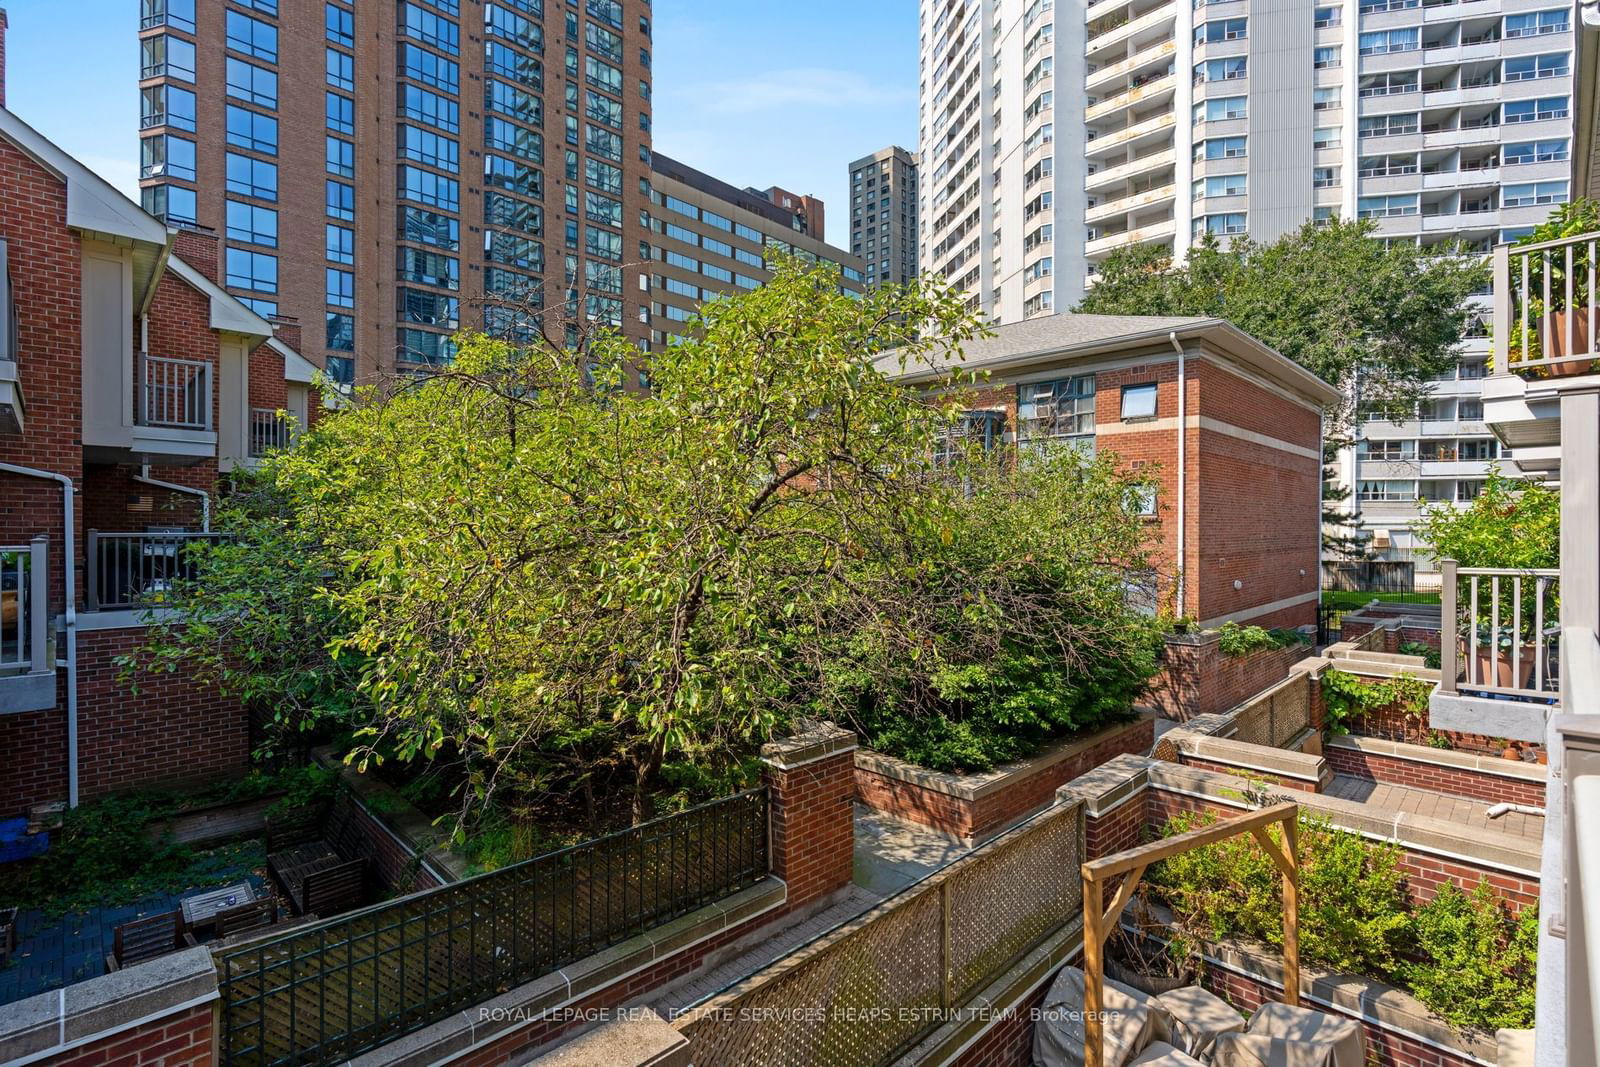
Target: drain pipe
(143,477)
(1183,562)
(1521,809)
(69,616)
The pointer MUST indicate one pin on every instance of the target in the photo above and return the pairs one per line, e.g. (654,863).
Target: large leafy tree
(565,585)
(1376,319)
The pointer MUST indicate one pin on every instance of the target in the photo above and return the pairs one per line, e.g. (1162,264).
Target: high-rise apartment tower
(883,214)
(387,172)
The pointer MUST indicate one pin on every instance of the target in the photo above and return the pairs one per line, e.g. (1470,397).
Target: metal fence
(1395,577)
(870,989)
(126,568)
(333,990)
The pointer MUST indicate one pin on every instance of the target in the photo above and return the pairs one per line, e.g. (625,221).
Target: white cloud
(812,87)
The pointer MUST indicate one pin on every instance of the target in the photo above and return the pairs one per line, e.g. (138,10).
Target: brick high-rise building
(374,167)
(883,214)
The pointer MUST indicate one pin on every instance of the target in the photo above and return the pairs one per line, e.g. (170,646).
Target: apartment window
(507,136)
(602,142)
(501,22)
(431,29)
(1325,137)
(252,224)
(514,250)
(1220,185)
(514,176)
(1535,193)
(253,37)
(1389,125)
(166,156)
(1383,42)
(1546,107)
(1527,68)
(1386,491)
(166,105)
(341,244)
(744,281)
(602,243)
(1219,225)
(1224,107)
(429,268)
(1536,23)
(430,227)
(1324,177)
(429,188)
(341,288)
(341,201)
(430,309)
(1139,401)
(610,12)
(1387,451)
(1535,152)
(509,100)
(602,76)
(602,109)
(252,130)
(420,346)
(423,105)
(250,83)
(1326,98)
(166,56)
(341,158)
(1382,207)
(425,146)
(179,14)
(508,213)
(252,270)
(341,332)
(681,288)
(1470,411)
(603,42)
(1324,17)
(1063,408)
(710,244)
(1220,30)
(1327,58)
(1220,148)
(172,203)
(341,25)
(508,63)
(751,259)
(1390,83)
(341,67)
(341,113)
(252,177)
(1216,70)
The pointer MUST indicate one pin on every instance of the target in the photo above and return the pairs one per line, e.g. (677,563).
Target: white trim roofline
(296,368)
(228,313)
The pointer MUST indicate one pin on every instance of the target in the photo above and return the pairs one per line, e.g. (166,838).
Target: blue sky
(755,92)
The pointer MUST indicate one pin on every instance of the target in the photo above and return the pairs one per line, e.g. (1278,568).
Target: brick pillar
(811,787)
(197,247)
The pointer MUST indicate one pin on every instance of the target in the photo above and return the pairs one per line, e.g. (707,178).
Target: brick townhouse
(1238,508)
(130,383)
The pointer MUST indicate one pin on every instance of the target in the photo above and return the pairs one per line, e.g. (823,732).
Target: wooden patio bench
(252,916)
(144,939)
(324,877)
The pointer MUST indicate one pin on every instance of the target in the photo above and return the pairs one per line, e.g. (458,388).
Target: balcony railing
(1546,292)
(174,393)
(127,569)
(1501,632)
(23,620)
(269,431)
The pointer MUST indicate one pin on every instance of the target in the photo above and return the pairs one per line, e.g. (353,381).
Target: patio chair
(144,939)
(250,916)
(328,876)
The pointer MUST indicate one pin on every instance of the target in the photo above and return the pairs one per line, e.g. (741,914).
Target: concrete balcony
(1160,125)
(1465,138)
(1165,16)
(1156,231)
(1156,91)
(1158,53)
(1123,205)
(1122,172)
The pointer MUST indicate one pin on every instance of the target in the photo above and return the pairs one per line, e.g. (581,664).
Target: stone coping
(1444,757)
(391,810)
(50,1023)
(1281,762)
(641,1039)
(971,787)
(544,998)
(1374,1001)
(814,743)
(1366,665)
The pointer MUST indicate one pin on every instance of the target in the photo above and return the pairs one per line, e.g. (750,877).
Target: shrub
(1477,967)
(1347,698)
(1236,640)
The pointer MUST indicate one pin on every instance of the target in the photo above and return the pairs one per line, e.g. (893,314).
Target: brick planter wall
(1198,679)
(1491,779)
(976,806)
(185,1039)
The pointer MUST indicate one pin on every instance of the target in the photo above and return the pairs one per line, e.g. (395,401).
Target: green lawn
(1343,601)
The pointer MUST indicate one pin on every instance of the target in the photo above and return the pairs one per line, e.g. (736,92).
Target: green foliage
(1572,219)
(1461,955)
(1347,698)
(1430,655)
(1333,298)
(1511,523)
(1477,964)
(1236,640)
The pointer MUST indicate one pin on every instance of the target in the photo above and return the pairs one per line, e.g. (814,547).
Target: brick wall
(35,747)
(1009,1042)
(185,1039)
(395,867)
(1422,774)
(169,732)
(811,793)
(1197,679)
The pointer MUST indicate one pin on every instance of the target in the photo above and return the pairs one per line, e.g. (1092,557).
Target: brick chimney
(4,22)
(286,328)
(198,248)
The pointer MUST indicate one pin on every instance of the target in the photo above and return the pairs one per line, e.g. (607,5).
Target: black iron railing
(333,990)
(126,569)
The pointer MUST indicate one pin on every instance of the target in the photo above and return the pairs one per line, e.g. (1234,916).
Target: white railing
(1501,631)
(174,393)
(125,569)
(269,431)
(24,628)
(1546,293)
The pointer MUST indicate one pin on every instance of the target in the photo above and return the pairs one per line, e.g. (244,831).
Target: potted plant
(1566,326)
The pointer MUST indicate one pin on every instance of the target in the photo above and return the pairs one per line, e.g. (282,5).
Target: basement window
(1138,402)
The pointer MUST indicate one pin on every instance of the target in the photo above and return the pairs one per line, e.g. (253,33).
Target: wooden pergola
(1099,920)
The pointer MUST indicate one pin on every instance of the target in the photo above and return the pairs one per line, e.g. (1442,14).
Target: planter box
(976,806)
(217,822)
(1198,679)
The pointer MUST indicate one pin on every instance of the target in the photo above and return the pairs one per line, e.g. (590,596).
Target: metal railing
(335,989)
(871,988)
(269,431)
(24,628)
(174,393)
(128,568)
(1545,292)
(1501,631)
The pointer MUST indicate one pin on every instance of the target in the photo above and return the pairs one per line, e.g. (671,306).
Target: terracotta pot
(1494,668)
(1557,327)
(1512,752)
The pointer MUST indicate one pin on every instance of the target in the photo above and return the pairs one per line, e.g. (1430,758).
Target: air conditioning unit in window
(1381,539)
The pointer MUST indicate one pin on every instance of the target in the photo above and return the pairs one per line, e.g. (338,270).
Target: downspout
(1183,469)
(143,477)
(69,616)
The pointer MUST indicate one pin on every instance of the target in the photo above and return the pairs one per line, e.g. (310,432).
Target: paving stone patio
(1458,810)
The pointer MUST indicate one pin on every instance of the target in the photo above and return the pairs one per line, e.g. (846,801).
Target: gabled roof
(228,312)
(1019,347)
(296,368)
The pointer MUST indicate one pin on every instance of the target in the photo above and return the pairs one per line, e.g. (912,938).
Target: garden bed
(1199,678)
(1493,779)
(976,806)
